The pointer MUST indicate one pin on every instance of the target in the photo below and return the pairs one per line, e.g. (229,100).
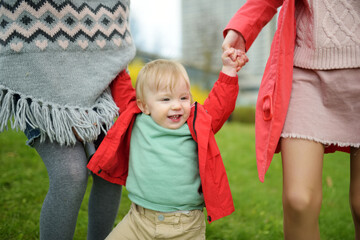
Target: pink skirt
(325,107)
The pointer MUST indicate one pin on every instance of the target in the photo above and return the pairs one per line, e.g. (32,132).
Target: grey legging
(68,177)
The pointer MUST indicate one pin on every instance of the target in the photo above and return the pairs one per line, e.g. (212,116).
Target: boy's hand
(233,60)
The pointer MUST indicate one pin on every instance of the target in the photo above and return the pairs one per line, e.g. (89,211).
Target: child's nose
(176,105)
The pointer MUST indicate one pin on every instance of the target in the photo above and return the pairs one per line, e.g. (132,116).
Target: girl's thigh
(302,166)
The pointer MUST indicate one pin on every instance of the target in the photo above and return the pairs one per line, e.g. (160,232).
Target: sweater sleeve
(122,90)
(221,100)
(252,17)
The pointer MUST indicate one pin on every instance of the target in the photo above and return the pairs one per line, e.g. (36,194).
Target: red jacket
(275,87)
(112,157)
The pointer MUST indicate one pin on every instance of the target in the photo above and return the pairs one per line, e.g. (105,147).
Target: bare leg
(302,188)
(355,189)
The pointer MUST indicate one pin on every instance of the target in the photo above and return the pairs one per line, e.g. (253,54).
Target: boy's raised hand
(233,60)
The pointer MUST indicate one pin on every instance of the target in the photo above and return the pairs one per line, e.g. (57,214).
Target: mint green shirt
(163,167)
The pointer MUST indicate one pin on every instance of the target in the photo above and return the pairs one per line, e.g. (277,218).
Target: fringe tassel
(54,121)
(7,109)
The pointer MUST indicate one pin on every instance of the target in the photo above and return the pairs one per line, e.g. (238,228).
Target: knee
(77,177)
(355,205)
(70,182)
(298,202)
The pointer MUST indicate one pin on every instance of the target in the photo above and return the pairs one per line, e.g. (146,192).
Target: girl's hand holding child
(233,60)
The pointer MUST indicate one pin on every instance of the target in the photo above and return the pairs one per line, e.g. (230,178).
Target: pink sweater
(327,34)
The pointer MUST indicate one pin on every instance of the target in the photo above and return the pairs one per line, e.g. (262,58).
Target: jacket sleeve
(221,100)
(122,90)
(252,17)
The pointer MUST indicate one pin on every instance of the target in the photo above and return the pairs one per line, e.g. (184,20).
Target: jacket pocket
(267,108)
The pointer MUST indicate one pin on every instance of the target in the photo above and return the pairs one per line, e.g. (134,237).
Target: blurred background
(191,32)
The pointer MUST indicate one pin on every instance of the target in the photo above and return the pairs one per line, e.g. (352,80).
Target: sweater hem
(56,122)
(327,58)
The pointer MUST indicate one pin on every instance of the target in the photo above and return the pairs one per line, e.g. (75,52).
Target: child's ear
(143,107)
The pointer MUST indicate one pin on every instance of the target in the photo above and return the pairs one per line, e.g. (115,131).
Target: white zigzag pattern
(52,31)
(60,26)
(48,8)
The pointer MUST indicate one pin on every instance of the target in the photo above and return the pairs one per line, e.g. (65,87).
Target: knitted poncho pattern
(57,59)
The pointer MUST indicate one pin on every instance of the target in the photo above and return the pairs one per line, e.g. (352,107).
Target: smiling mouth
(175,117)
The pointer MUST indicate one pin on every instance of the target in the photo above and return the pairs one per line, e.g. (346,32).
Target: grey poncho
(57,59)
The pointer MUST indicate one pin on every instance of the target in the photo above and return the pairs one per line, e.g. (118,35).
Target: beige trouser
(141,223)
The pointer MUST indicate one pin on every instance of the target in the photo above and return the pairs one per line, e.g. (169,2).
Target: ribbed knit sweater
(57,59)
(328,34)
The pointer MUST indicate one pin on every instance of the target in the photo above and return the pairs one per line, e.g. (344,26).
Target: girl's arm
(251,18)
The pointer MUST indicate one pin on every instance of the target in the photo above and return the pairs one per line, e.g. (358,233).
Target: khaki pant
(142,224)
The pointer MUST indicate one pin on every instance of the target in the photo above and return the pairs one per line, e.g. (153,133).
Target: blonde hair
(160,74)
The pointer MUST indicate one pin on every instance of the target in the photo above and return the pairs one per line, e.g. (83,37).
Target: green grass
(258,215)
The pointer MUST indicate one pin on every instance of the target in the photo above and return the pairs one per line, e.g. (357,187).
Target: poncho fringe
(54,121)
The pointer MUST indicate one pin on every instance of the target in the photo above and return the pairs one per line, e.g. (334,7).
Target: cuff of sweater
(228,79)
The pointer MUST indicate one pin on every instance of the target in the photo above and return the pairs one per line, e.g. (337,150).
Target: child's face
(169,109)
